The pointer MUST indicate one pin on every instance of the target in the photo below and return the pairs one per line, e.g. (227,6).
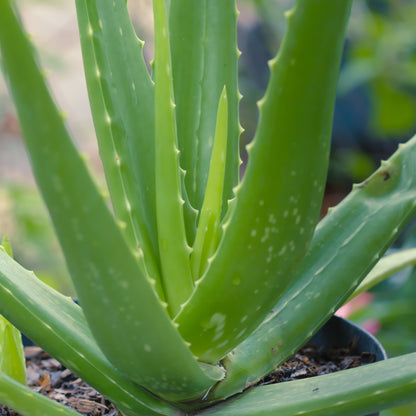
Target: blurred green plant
(33,237)
(394,306)
(381,55)
(393,303)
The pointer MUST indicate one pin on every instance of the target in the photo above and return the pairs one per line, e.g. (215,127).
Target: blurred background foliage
(375,109)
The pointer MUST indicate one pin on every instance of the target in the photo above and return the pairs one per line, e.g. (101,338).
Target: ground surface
(48,377)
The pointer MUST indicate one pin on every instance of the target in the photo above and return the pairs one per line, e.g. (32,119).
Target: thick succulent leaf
(12,357)
(347,244)
(204,59)
(57,324)
(208,231)
(28,403)
(352,392)
(173,245)
(115,294)
(387,266)
(121,95)
(277,204)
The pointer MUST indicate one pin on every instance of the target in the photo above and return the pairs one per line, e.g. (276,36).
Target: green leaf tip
(12,358)
(386,267)
(29,403)
(208,230)
(6,246)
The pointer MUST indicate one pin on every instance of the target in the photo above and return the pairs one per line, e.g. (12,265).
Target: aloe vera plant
(195,284)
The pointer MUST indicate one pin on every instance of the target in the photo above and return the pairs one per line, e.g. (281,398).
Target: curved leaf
(121,96)
(347,244)
(352,392)
(57,324)
(28,403)
(387,266)
(277,204)
(113,289)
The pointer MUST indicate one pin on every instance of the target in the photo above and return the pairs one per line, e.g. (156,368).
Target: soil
(310,362)
(48,377)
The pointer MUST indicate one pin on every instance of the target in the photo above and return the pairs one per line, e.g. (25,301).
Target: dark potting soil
(310,362)
(48,377)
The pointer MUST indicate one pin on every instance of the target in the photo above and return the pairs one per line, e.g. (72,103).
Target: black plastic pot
(340,333)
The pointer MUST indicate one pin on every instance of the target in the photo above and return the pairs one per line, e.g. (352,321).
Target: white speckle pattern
(265,235)
(282,251)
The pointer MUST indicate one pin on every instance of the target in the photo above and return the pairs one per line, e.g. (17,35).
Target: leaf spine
(121,224)
(84,156)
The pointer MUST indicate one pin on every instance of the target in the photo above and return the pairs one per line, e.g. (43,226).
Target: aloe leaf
(32,306)
(207,235)
(200,71)
(121,95)
(277,205)
(173,246)
(113,289)
(347,244)
(352,392)
(12,357)
(387,266)
(6,246)
(28,403)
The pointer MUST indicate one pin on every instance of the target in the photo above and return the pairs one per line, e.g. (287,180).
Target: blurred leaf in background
(381,55)
(393,302)
(24,218)
(376,104)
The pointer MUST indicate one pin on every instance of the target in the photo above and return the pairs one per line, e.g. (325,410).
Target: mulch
(309,361)
(48,377)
